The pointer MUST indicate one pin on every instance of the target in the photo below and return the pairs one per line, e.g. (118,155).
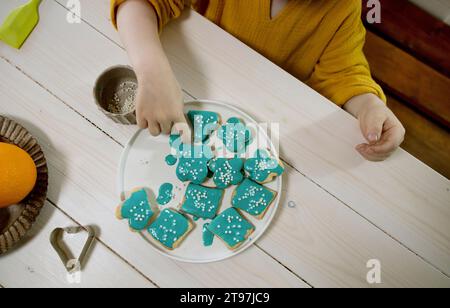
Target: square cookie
(232,228)
(170,228)
(202,202)
(138,210)
(253,198)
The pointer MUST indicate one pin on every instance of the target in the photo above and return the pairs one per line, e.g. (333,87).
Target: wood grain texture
(82,164)
(36,264)
(424,139)
(414,30)
(410,79)
(402,196)
(302,257)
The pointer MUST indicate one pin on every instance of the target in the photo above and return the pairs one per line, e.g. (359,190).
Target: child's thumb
(372,127)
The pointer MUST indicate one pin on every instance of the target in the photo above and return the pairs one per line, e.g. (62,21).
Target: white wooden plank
(35,264)
(402,196)
(82,163)
(51,81)
(343,267)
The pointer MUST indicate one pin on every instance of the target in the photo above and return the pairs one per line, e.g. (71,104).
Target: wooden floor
(425,140)
(408,55)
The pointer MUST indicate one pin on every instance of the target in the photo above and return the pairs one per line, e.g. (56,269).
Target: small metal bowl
(115,92)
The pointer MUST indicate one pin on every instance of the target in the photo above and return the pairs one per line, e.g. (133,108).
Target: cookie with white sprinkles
(138,210)
(253,198)
(202,202)
(170,228)
(226,172)
(232,228)
(263,168)
(204,123)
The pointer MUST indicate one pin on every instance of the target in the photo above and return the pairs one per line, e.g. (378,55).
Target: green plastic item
(20,23)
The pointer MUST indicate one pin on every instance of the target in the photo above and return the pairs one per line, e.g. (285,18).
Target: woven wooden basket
(16,220)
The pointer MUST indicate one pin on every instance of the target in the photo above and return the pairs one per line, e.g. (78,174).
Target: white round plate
(143,165)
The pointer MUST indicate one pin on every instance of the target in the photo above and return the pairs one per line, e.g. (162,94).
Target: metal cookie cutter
(56,240)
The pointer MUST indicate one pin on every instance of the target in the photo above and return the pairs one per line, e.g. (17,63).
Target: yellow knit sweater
(318,41)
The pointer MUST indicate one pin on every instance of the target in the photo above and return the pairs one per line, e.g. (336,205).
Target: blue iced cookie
(137,209)
(193,163)
(226,172)
(263,168)
(202,202)
(253,198)
(170,228)
(232,228)
(235,135)
(165,194)
(203,123)
(208,236)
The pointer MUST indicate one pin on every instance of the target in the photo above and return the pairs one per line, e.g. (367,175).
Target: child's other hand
(159,104)
(381,128)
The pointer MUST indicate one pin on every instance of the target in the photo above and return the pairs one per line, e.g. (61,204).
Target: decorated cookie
(263,168)
(138,210)
(253,198)
(231,227)
(202,202)
(226,172)
(193,163)
(170,228)
(235,135)
(208,236)
(165,194)
(204,123)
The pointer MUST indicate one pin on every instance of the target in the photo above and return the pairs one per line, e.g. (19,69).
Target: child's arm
(379,125)
(343,75)
(159,101)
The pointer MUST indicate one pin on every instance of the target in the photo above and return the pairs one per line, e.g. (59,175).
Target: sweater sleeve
(165,10)
(343,71)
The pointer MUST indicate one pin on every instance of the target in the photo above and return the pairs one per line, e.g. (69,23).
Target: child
(318,41)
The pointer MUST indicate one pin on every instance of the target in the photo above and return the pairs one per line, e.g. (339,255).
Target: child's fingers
(367,153)
(182,127)
(154,128)
(141,122)
(372,126)
(166,126)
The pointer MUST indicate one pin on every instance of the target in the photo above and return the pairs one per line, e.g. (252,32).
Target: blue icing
(137,210)
(171,160)
(169,228)
(202,202)
(235,135)
(193,163)
(262,166)
(165,194)
(208,236)
(226,172)
(252,198)
(204,123)
(231,227)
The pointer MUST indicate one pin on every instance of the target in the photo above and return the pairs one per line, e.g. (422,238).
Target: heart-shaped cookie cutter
(69,263)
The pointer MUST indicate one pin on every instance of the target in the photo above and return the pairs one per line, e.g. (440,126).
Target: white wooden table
(348,211)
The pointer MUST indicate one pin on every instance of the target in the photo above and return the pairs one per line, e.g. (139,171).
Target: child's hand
(381,128)
(159,104)
(159,101)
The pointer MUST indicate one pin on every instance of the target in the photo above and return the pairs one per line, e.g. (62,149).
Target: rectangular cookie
(253,198)
(232,228)
(202,202)
(170,228)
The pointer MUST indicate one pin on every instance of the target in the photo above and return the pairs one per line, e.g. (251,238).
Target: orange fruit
(18,174)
